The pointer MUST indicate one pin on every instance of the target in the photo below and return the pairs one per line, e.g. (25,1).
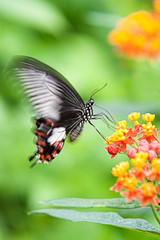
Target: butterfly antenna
(97,90)
(97,130)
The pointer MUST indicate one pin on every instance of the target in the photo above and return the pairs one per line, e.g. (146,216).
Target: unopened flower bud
(131,152)
(143,148)
(143,142)
(151,154)
(112,149)
(148,117)
(153,145)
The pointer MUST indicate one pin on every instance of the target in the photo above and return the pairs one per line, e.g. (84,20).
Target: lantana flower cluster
(138,35)
(139,177)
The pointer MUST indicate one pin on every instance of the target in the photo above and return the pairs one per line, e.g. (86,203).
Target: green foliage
(109,218)
(90,203)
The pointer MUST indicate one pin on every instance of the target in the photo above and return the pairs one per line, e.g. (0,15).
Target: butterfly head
(91,102)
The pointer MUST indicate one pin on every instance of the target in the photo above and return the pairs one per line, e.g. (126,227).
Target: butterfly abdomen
(76,132)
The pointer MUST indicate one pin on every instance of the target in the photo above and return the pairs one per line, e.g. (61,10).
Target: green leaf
(109,218)
(89,203)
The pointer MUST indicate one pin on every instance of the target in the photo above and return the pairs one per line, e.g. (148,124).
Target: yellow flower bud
(156,164)
(148,128)
(121,125)
(148,117)
(148,189)
(139,161)
(134,116)
(120,135)
(130,183)
(120,169)
(141,155)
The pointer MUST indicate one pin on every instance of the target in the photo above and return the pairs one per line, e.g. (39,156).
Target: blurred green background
(69,35)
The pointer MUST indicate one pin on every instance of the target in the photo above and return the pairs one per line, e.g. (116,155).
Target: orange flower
(149,132)
(130,183)
(138,35)
(148,193)
(151,175)
(131,195)
(156,4)
(119,184)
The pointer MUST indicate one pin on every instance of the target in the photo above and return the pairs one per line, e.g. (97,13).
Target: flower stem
(155,213)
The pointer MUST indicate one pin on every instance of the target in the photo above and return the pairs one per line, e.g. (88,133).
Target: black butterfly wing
(49,92)
(55,101)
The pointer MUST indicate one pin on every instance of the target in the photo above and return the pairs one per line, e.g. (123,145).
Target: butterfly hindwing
(50,140)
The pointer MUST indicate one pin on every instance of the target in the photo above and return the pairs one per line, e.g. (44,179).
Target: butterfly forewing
(59,107)
(50,93)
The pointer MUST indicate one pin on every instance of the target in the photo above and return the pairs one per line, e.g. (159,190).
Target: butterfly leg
(104,118)
(96,130)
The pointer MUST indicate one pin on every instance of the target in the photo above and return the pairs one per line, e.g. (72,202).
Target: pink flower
(151,154)
(143,142)
(143,148)
(158,149)
(153,145)
(131,152)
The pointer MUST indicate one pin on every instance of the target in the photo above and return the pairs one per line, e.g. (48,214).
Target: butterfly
(60,109)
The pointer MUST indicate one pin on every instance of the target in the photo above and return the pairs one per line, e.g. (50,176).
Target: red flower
(112,150)
(138,175)
(149,138)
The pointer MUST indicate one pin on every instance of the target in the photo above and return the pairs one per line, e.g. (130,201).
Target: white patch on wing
(58,134)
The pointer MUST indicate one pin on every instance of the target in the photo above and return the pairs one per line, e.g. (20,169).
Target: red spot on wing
(49,122)
(41,143)
(58,147)
(40,134)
